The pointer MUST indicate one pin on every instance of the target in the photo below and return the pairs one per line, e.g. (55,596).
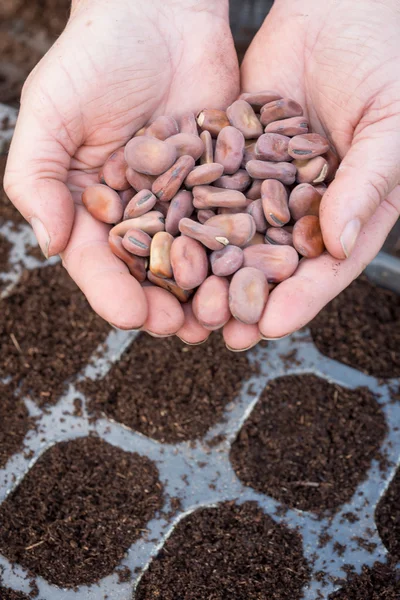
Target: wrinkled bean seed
(272,147)
(275,202)
(204,214)
(259,99)
(289,127)
(113,172)
(180,206)
(189,262)
(242,116)
(140,204)
(103,203)
(167,185)
(204,174)
(304,200)
(307,237)
(279,235)
(208,153)
(239,181)
(276,262)
(149,156)
(207,196)
(211,304)
(284,108)
(229,149)
(284,172)
(139,181)
(160,251)
(171,286)
(308,145)
(211,237)
(162,128)
(313,170)
(137,242)
(255,209)
(238,229)
(135,264)
(248,294)
(152,222)
(187,144)
(212,120)
(227,261)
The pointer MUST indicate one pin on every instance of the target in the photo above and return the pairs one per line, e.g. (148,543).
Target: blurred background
(29,27)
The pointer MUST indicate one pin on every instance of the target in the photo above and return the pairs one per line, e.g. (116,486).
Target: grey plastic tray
(175,461)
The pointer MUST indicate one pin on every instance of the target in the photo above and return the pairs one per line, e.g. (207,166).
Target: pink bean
(187,144)
(103,203)
(211,304)
(189,262)
(248,294)
(276,262)
(113,172)
(181,206)
(229,149)
(140,204)
(137,242)
(149,155)
(227,261)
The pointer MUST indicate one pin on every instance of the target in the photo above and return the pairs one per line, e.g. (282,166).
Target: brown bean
(281,236)
(135,264)
(260,169)
(187,144)
(113,172)
(180,206)
(140,204)
(238,229)
(139,181)
(207,196)
(304,200)
(167,185)
(103,203)
(189,262)
(333,164)
(259,99)
(276,262)
(248,294)
(229,149)
(284,108)
(257,238)
(242,116)
(308,145)
(275,202)
(254,192)
(255,209)
(149,156)
(171,286)
(227,261)
(239,181)
(313,170)
(272,147)
(160,255)
(211,304)
(208,153)
(204,174)
(162,128)
(137,242)
(212,120)
(204,214)
(151,223)
(126,196)
(187,124)
(211,237)
(307,237)
(289,127)
(249,152)
(162,207)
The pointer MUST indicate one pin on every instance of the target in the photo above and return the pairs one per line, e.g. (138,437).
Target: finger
(104,279)
(192,332)
(294,302)
(35,180)
(239,336)
(368,173)
(165,315)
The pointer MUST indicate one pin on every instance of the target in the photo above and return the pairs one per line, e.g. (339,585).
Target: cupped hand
(115,67)
(341,61)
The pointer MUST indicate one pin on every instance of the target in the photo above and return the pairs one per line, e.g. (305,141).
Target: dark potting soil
(380,582)
(47,333)
(361,328)
(227,552)
(8,594)
(168,390)
(27,30)
(15,423)
(387,517)
(5,248)
(78,510)
(309,443)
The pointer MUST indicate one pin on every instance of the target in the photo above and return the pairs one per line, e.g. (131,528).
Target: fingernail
(349,236)
(41,234)
(275,339)
(242,349)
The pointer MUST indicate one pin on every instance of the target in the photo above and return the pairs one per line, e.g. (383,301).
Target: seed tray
(199,473)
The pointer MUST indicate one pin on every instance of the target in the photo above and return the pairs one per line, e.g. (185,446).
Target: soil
(78,510)
(309,443)
(14,423)
(167,390)
(8,594)
(5,248)
(387,517)
(27,30)
(227,552)
(380,582)
(47,333)
(361,328)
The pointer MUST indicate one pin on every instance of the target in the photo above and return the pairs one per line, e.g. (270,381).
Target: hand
(111,71)
(341,61)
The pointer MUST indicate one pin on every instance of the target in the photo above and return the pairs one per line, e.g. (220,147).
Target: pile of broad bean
(221,207)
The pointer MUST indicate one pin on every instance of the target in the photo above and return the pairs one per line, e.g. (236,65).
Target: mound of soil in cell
(27,30)
(309,443)
(380,582)
(47,333)
(78,510)
(14,423)
(387,517)
(168,390)
(8,594)
(227,552)
(361,328)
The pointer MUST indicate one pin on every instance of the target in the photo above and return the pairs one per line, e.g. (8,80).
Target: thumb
(368,173)
(36,175)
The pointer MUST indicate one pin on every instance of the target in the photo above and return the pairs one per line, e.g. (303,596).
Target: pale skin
(112,71)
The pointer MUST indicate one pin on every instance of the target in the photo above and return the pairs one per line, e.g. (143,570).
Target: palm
(102,81)
(328,60)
